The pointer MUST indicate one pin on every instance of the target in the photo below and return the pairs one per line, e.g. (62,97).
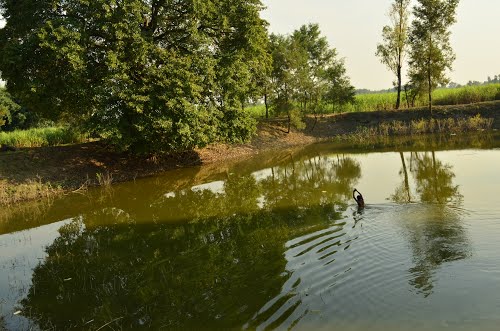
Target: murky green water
(273,243)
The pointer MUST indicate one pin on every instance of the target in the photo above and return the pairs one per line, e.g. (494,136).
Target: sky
(354,28)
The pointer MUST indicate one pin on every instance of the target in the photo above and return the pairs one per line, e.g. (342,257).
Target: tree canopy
(7,108)
(392,50)
(306,74)
(431,54)
(148,74)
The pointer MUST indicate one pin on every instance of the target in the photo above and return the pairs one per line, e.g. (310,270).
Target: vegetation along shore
(43,172)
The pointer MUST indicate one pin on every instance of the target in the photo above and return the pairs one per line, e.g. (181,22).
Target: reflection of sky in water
(379,176)
(262,174)
(21,253)
(215,187)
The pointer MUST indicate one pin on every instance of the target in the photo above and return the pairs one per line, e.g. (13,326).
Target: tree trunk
(267,105)
(398,101)
(407,182)
(430,92)
(429,77)
(406,96)
(289,122)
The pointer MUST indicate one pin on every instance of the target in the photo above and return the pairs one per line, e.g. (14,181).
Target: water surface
(272,243)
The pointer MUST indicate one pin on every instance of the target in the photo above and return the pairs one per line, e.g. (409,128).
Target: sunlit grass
(467,94)
(441,97)
(257,111)
(387,101)
(41,137)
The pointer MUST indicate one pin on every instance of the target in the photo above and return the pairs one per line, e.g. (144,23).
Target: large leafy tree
(324,75)
(288,63)
(338,89)
(431,54)
(392,50)
(307,74)
(149,74)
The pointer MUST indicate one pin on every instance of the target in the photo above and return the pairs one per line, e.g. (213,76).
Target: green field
(441,97)
(387,101)
(41,137)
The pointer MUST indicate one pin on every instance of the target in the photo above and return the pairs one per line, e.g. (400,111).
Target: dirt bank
(33,173)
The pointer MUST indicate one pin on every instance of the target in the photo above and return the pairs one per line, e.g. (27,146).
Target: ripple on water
(337,269)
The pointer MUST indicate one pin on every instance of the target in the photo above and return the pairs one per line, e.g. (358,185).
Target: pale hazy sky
(354,28)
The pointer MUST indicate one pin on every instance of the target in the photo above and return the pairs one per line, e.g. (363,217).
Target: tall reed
(41,137)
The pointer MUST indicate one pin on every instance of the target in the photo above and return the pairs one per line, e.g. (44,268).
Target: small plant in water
(104,180)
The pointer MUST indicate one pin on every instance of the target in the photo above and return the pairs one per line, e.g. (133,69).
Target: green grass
(424,126)
(441,97)
(257,111)
(467,94)
(387,101)
(41,137)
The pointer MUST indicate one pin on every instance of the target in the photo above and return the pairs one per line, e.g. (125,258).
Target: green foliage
(306,75)
(14,116)
(148,76)
(39,137)
(431,54)
(8,108)
(393,49)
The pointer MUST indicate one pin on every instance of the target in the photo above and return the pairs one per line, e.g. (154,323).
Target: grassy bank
(32,189)
(423,126)
(41,137)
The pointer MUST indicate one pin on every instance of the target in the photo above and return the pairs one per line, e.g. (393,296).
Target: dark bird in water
(359,198)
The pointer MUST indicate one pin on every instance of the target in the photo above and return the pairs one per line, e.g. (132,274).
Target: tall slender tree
(431,54)
(393,49)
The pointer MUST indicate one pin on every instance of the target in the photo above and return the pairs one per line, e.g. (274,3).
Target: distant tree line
(451,84)
(494,80)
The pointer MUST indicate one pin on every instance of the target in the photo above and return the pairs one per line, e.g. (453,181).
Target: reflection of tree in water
(435,231)
(434,179)
(213,270)
(403,191)
(316,181)
(440,239)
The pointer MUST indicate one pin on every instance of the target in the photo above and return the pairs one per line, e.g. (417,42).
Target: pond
(276,242)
